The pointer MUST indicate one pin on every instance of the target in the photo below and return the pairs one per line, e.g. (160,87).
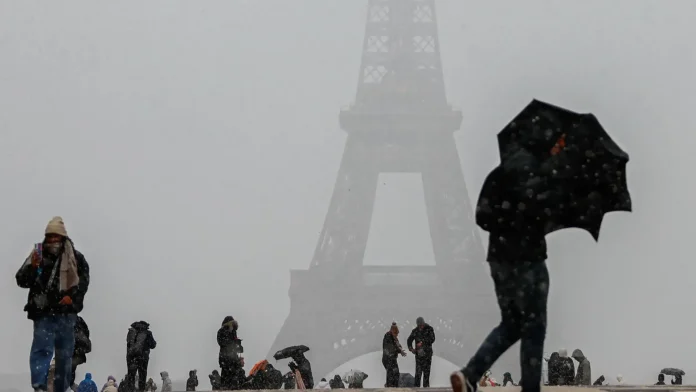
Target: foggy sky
(192,149)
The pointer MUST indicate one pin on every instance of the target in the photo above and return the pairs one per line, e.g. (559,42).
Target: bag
(82,343)
(137,343)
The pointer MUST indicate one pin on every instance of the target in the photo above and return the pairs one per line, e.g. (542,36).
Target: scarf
(68,277)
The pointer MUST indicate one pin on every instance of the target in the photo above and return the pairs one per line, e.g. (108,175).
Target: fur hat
(56,226)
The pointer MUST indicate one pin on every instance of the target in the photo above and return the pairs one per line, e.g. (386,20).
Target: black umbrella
(290,352)
(673,372)
(559,168)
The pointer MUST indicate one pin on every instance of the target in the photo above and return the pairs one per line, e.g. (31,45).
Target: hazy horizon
(192,149)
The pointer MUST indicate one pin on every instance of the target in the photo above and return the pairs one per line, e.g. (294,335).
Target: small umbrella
(354,376)
(406,380)
(290,352)
(558,167)
(672,372)
(261,365)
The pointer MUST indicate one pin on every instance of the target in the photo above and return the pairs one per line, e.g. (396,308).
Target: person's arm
(151,339)
(411,338)
(430,337)
(26,276)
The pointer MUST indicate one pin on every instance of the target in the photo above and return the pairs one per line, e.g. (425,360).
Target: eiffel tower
(400,122)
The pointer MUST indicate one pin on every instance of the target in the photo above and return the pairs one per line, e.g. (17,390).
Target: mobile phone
(38,248)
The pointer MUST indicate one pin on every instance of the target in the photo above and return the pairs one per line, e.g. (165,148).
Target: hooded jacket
(37,279)
(138,331)
(166,382)
(192,381)
(337,383)
(150,385)
(87,385)
(110,378)
(215,380)
(584,374)
(323,384)
(230,344)
(110,386)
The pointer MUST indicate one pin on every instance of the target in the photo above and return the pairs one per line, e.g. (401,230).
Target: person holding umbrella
(300,363)
(558,169)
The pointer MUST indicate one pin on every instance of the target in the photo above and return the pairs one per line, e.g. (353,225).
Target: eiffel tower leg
(343,240)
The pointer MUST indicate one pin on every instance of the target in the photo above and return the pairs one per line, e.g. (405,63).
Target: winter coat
(425,336)
(337,383)
(192,381)
(166,382)
(566,374)
(230,344)
(514,234)
(390,346)
(110,378)
(87,385)
(584,374)
(215,380)
(305,369)
(36,281)
(289,380)
(139,340)
(150,385)
(110,386)
(554,366)
(323,384)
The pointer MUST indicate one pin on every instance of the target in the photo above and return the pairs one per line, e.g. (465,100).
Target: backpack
(137,343)
(82,343)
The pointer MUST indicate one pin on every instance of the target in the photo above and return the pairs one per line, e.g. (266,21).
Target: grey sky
(192,149)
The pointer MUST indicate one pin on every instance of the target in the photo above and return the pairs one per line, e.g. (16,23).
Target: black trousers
(423,367)
(522,289)
(392,368)
(72,374)
(137,365)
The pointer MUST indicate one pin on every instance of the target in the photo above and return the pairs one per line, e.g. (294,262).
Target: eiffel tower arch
(400,122)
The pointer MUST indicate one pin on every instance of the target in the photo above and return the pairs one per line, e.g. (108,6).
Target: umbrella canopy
(672,372)
(260,365)
(290,352)
(354,376)
(558,168)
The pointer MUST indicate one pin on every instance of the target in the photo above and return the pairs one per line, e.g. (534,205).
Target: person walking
(57,276)
(516,256)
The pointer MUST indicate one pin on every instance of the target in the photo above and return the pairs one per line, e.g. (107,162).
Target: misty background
(192,148)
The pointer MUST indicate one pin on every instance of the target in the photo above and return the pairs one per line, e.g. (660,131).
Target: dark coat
(390,347)
(426,336)
(230,344)
(134,335)
(29,277)
(305,369)
(192,381)
(337,383)
(215,380)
